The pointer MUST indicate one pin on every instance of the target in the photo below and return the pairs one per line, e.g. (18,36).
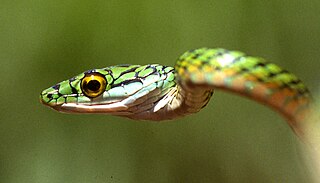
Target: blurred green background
(231,140)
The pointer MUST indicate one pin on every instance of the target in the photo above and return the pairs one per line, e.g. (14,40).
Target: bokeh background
(232,140)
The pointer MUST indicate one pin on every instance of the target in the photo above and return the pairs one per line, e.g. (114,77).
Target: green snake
(157,92)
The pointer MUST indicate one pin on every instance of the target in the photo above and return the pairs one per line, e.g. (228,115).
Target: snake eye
(93,84)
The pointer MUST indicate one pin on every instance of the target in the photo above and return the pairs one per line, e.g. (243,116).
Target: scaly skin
(156,92)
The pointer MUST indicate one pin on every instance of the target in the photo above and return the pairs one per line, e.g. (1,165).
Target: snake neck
(190,98)
(178,101)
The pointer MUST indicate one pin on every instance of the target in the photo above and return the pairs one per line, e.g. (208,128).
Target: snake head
(119,90)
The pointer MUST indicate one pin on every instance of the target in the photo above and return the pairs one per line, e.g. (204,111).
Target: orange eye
(93,84)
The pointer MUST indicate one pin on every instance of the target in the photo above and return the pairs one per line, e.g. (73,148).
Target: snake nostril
(49,95)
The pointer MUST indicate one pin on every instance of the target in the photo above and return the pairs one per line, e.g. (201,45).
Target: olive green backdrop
(232,140)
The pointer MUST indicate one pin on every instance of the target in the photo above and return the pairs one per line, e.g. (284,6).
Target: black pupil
(93,85)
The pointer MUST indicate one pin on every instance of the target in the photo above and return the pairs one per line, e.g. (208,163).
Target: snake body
(156,92)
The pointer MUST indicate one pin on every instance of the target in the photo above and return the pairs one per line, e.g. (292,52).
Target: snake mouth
(116,108)
(88,108)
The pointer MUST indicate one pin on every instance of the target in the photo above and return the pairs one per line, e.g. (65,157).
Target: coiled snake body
(156,92)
